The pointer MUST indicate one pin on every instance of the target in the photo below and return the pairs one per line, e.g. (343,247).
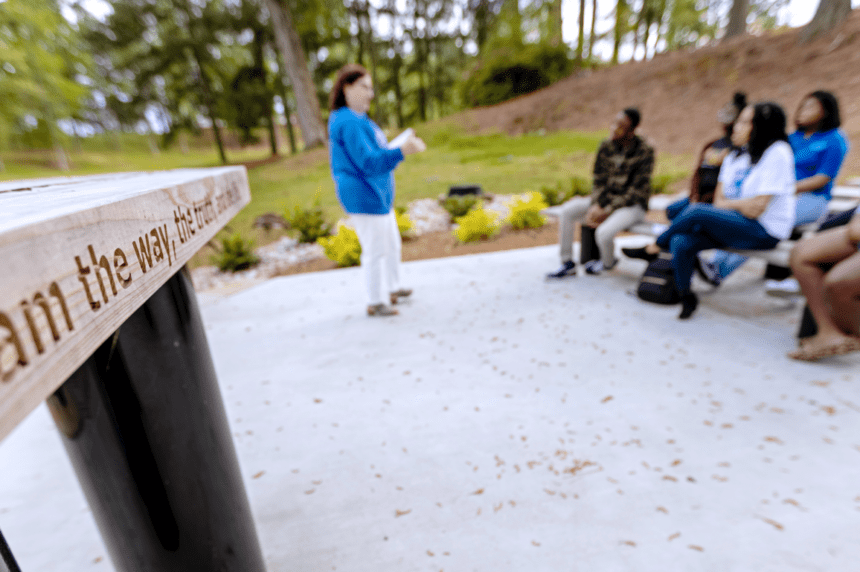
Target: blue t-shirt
(820,154)
(361,164)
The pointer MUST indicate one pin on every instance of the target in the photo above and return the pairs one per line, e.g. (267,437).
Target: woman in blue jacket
(362,166)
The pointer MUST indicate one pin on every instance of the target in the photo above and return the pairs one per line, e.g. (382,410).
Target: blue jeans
(702,226)
(673,210)
(809,209)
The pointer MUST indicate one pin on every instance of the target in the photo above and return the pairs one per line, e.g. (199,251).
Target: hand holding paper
(408,143)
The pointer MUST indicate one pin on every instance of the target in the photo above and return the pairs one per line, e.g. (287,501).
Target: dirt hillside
(679,93)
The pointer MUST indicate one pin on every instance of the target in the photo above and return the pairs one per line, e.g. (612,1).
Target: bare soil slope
(679,93)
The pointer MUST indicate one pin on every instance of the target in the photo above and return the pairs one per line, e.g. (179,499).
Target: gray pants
(574,210)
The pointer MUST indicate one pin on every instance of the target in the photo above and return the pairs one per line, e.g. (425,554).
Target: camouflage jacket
(622,176)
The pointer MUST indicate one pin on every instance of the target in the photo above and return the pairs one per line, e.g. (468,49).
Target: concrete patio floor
(504,423)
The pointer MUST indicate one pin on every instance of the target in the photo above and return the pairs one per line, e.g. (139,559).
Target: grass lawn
(501,164)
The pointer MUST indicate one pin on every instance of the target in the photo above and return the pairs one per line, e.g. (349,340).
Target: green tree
(170,52)
(44,70)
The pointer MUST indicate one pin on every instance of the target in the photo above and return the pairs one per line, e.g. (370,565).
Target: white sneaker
(782,288)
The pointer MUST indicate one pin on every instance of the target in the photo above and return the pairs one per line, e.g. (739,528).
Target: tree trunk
(738,19)
(580,44)
(482,22)
(620,27)
(290,131)
(422,87)
(295,64)
(827,16)
(555,23)
(593,25)
(259,63)
(371,48)
(206,88)
(396,66)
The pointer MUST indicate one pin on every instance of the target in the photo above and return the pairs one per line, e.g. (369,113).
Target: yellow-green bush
(404,223)
(525,211)
(343,247)
(309,222)
(477,224)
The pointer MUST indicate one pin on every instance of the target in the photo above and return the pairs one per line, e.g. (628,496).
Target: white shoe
(782,288)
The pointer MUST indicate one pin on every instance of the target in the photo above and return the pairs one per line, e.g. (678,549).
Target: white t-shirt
(772,175)
(735,168)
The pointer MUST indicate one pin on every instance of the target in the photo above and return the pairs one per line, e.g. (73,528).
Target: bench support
(7,561)
(145,427)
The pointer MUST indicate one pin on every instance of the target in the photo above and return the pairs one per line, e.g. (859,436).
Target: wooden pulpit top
(81,254)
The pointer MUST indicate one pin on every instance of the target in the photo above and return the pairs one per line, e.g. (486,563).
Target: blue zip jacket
(361,163)
(821,154)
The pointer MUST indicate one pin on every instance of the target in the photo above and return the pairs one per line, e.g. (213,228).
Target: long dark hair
(348,75)
(768,127)
(830,106)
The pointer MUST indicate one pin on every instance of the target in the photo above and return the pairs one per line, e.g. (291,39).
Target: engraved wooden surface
(81,254)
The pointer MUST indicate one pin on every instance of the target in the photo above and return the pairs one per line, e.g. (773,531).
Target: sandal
(397,294)
(381,310)
(838,349)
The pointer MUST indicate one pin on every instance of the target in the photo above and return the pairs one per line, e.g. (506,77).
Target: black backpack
(657,285)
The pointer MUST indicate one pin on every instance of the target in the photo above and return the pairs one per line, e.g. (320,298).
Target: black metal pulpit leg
(145,427)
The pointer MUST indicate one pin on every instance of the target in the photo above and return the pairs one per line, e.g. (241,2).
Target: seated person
(761,216)
(705,178)
(819,148)
(827,266)
(622,187)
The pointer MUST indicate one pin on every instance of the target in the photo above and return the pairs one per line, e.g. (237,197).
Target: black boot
(689,303)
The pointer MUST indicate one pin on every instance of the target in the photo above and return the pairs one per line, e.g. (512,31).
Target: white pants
(574,210)
(380,253)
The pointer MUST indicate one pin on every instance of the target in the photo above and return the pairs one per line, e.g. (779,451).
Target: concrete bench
(778,256)
(99,318)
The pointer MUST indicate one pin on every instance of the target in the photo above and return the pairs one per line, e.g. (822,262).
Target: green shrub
(580,187)
(554,196)
(236,254)
(404,223)
(309,222)
(660,183)
(509,70)
(477,224)
(525,211)
(459,205)
(343,247)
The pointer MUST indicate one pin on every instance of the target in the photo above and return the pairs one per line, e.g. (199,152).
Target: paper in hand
(398,141)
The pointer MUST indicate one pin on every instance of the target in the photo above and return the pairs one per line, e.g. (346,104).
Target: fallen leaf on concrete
(773,523)
(674,536)
(478,492)
(398,513)
(258,475)
(694,547)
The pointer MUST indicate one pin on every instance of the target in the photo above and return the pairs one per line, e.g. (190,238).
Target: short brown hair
(348,75)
